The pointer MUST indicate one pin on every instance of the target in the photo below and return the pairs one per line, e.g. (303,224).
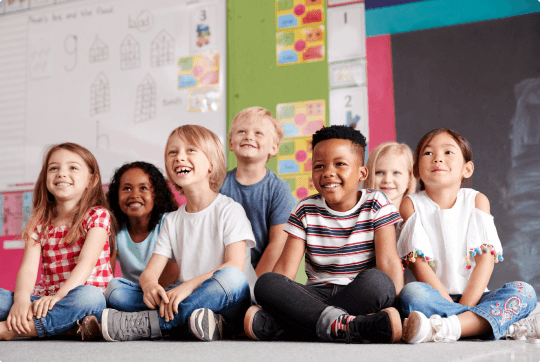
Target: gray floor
(246,350)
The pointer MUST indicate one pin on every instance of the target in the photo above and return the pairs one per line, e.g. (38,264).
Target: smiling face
(187,165)
(136,194)
(391,176)
(68,176)
(254,141)
(441,163)
(337,173)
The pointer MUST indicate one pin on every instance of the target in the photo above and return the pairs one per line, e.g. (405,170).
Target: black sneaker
(123,326)
(206,325)
(381,327)
(260,325)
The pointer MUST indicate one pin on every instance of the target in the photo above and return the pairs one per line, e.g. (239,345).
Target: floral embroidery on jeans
(511,307)
(525,291)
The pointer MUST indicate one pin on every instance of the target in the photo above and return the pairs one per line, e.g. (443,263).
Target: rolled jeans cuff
(324,323)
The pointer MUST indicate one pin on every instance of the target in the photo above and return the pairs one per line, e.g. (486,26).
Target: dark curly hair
(164,200)
(344,133)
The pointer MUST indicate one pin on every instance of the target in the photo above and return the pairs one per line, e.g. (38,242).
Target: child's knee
(90,297)
(113,285)
(525,292)
(263,286)
(411,295)
(231,279)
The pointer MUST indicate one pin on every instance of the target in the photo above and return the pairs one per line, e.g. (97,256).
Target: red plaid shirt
(58,259)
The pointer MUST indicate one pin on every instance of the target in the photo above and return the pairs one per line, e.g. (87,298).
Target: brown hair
(384,149)
(44,203)
(463,144)
(255,115)
(211,146)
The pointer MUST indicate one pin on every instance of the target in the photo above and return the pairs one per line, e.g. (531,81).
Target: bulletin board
(115,76)
(106,74)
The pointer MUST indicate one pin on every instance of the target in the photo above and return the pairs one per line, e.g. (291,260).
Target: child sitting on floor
(352,264)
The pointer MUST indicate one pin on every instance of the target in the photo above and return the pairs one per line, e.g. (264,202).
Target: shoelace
(437,335)
(136,322)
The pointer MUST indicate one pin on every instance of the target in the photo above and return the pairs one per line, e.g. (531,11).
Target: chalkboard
(115,76)
(483,80)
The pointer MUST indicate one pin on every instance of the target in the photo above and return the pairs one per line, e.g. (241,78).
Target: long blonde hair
(211,146)
(384,149)
(44,203)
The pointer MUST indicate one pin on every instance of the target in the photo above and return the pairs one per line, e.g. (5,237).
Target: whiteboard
(105,75)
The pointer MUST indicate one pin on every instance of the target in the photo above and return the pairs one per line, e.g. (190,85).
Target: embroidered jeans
(500,307)
(226,293)
(80,302)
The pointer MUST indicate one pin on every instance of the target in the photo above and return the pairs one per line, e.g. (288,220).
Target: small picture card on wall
(300,45)
(296,13)
(348,74)
(198,70)
(204,99)
(301,185)
(294,156)
(349,107)
(346,32)
(202,27)
(14,5)
(301,118)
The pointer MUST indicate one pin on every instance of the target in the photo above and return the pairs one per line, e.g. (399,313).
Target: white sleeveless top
(449,238)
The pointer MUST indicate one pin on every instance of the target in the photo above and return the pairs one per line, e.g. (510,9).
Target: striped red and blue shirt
(339,245)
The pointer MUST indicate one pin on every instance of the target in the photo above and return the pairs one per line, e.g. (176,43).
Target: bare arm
(484,265)
(276,242)
(420,268)
(387,257)
(169,275)
(21,310)
(290,258)
(91,250)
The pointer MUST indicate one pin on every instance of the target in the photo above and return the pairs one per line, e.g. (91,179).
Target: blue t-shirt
(133,257)
(268,202)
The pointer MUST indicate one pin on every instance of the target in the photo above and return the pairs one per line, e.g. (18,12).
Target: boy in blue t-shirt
(254,138)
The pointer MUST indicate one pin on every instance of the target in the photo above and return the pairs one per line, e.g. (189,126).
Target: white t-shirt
(448,236)
(197,240)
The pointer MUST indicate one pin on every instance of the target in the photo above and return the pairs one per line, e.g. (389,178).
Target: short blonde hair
(210,144)
(255,115)
(384,149)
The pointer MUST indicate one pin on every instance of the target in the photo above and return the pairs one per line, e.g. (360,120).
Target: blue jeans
(500,307)
(80,302)
(226,293)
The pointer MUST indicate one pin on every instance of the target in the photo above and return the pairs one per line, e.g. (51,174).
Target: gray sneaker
(526,328)
(123,326)
(206,325)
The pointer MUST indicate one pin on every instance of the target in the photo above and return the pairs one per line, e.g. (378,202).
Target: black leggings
(298,307)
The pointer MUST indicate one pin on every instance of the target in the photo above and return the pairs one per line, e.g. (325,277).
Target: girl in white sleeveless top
(450,243)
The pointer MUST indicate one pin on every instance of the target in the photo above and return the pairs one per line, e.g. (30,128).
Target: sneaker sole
(395,321)
(248,321)
(104,325)
(204,325)
(416,326)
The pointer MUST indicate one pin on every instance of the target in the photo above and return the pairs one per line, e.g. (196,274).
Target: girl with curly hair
(139,198)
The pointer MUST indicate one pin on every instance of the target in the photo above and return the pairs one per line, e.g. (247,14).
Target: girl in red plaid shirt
(71,230)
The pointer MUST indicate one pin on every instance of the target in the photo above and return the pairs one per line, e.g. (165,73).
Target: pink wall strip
(382,117)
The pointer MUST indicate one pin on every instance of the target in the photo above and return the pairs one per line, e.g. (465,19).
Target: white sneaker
(525,328)
(419,329)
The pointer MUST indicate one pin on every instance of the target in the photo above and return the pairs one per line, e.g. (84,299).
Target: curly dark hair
(164,200)
(344,133)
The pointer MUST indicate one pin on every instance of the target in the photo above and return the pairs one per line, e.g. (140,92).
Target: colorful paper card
(294,156)
(26,208)
(302,118)
(295,13)
(204,99)
(300,45)
(301,185)
(12,213)
(198,70)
